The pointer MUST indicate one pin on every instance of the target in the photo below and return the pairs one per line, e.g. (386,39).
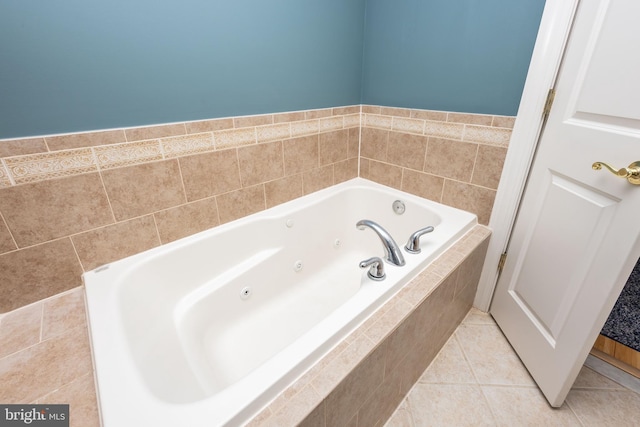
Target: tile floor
(477,380)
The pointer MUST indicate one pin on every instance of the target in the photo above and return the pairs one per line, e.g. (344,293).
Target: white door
(576,237)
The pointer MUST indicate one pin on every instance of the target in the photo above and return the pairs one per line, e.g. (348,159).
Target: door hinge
(503,260)
(548,103)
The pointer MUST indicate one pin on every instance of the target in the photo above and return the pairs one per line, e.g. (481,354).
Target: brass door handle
(632,172)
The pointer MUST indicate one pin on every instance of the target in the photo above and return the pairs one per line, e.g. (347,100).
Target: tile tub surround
(70,203)
(451,158)
(63,213)
(93,198)
(363,379)
(45,357)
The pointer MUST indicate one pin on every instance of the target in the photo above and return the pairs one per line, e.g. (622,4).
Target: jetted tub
(208,329)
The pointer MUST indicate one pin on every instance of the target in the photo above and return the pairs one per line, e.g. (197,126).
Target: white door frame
(555,27)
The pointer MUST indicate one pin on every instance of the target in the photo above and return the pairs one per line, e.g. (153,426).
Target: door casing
(555,26)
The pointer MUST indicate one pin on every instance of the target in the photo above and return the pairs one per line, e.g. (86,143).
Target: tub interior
(201,314)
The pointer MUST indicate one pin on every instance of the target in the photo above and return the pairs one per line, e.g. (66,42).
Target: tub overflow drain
(297,266)
(245,293)
(398,207)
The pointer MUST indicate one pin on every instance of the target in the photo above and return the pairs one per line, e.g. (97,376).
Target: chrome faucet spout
(391,250)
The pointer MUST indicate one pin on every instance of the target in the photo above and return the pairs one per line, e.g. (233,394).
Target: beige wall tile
(345,170)
(374,144)
(351,109)
(248,121)
(44,166)
(471,119)
(209,174)
(288,117)
(393,111)
(47,210)
(451,159)
(386,174)
(317,179)
(20,329)
(63,313)
(111,243)
(407,150)
(31,373)
(282,190)
(382,402)
(354,143)
(153,132)
(371,109)
(440,116)
(300,154)
(316,418)
(470,269)
(488,135)
(234,137)
(85,139)
(472,198)
(423,185)
(80,395)
(142,189)
(209,125)
(349,395)
(38,272)
(488,167)
(20,147)
(260,163)
(240,203)
(503,122)
(187,144)
(316,114)
(365,166)
(333,146)
(186,220)
(6,240)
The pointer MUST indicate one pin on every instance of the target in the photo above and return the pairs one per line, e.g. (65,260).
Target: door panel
(576,237)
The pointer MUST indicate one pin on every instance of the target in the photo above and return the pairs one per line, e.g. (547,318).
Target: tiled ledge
(362,380)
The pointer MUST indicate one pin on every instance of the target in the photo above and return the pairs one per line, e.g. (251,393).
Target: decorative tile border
(38,167)
(115,148)
(127,154)
(5,181)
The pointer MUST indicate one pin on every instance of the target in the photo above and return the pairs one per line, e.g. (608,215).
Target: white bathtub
(208,329)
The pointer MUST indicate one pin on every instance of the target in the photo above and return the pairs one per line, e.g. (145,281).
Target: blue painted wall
(72,65)
(454,55)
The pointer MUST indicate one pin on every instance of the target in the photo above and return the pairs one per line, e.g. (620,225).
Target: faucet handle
(376,268)
(413,244)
